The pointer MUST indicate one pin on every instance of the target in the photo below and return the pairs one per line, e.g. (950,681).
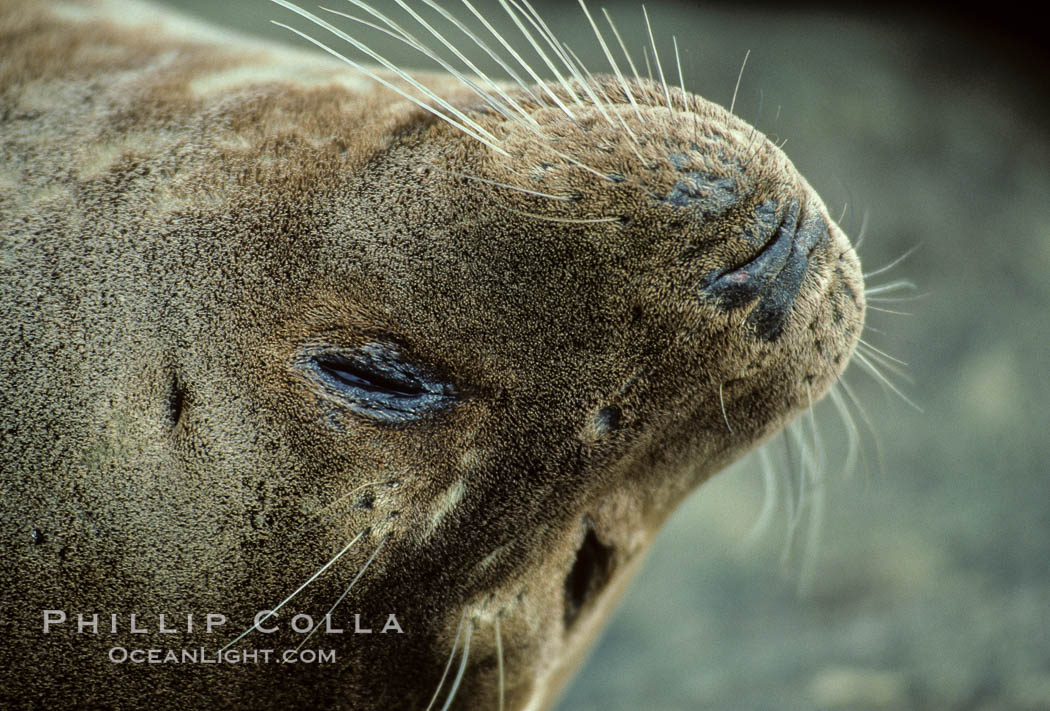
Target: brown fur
(174,243)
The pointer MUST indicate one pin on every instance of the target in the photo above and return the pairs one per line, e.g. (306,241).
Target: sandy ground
(931,582)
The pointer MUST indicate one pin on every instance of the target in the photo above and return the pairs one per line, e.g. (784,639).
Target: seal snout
(774,275)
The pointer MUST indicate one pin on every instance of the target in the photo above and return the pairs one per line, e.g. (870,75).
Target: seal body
(286,353)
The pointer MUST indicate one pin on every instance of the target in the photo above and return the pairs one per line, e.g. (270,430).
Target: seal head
(300,345)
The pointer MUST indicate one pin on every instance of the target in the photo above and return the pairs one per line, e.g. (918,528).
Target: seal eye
(375,381)
(352,375)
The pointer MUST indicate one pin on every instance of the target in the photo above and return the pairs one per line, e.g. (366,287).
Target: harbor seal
(329,386)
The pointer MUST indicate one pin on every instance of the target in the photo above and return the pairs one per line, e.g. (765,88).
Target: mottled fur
(178,234)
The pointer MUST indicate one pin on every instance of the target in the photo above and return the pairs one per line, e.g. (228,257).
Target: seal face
(289,353)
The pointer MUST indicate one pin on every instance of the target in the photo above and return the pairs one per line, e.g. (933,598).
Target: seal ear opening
(176,401)
(589,574)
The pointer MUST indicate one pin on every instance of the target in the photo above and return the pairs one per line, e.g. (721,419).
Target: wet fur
(178,237)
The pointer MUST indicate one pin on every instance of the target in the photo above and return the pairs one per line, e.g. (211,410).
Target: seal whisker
(871,368)
(888,311)
(567,220)
(364,70)
(499,659)
(547,37)
(845,205)
(880,352)
(863,232)
(795,494)
(550,65)
(271,613)
(852,396)
(754,139)
(574,65)
(754,130)
(752,152)
(877,359)
(790,478)
(630,62)
(685,96)
(407,38)
(656,56)
(739,76)
(886,361)
(601,107)
(900,284)
(448,664)
(401,34)
(510,102)
(563,198)
(476,130)
(895,299)
(770,496)
(612,60)
(525,65)
(441,38)
(818,498)
(648,66)
(853,443)
(681,77)
(569,159)
(588,86)
(492,54)
(537,21)
(462,667)
(345,592)
(722,402)
(808,502)
(807,466)
(389,32)
(811,548)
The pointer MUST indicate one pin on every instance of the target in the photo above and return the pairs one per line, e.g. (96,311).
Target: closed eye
(377,382)
(355,376)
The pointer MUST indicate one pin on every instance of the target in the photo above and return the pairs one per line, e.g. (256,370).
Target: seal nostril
(761,268)
(774,276)
(588,576)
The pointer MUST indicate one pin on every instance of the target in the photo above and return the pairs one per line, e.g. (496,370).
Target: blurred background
(927,585)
